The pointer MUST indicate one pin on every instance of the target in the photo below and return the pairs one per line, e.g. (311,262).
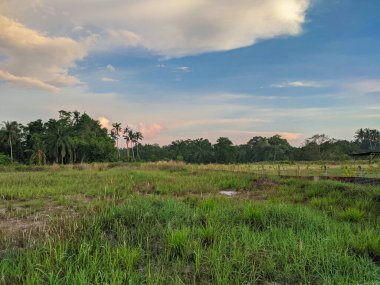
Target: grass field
(171,225)
(344,169)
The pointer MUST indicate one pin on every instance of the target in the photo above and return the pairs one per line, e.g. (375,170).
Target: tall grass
(164,241)
(150,226)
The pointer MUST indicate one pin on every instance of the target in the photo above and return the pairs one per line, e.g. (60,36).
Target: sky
(179,69)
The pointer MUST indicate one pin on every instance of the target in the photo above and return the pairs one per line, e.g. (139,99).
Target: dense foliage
(275,148)
(72,138)
(76,138)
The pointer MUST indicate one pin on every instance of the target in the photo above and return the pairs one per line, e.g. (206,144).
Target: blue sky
(189,69)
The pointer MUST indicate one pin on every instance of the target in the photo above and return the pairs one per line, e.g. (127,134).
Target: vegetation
(101,224)
(261,149)
(73,138)
(77,138)
(343,169)
(9,135)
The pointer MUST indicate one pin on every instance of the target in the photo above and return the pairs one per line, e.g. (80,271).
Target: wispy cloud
(121,37)
(110,67)
(107,79)
(237,96)
(311,84)
(183,69)
(27,81)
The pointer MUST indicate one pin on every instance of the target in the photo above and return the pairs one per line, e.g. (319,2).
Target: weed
(178,242)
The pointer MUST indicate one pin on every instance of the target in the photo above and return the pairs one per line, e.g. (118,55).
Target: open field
(344,169)
(315,168)
(169,224)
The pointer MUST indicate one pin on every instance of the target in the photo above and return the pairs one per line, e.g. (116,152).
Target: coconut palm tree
(59,142)
(127,139)
(138,137)
(116,134)
(9,134)
(38,153)
(131,135)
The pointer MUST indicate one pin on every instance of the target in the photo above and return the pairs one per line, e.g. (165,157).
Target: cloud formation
(26,81)
(30,57)
(110,67)
(183,69)
(150,131)
(104,122)
(311,84)
(167,27)
(107,79)
(33,59)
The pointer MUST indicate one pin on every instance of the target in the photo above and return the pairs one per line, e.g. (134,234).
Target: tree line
(258,148)
(78,138)
(72,138)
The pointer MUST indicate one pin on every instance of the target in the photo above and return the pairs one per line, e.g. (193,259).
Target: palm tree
(116,134)
(138,136)
(131,136)
(127,139)
(9,134)
(38,154)
(59,142)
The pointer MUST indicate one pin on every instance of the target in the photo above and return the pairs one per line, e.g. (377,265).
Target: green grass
(345,169)
(171,226)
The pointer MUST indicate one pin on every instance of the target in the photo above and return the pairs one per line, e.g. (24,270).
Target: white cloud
(183,69)
(35,59)
(121,37)
(312,84)
(78,29)
(110,67)
(26,81)
(107,79)
(167,27)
